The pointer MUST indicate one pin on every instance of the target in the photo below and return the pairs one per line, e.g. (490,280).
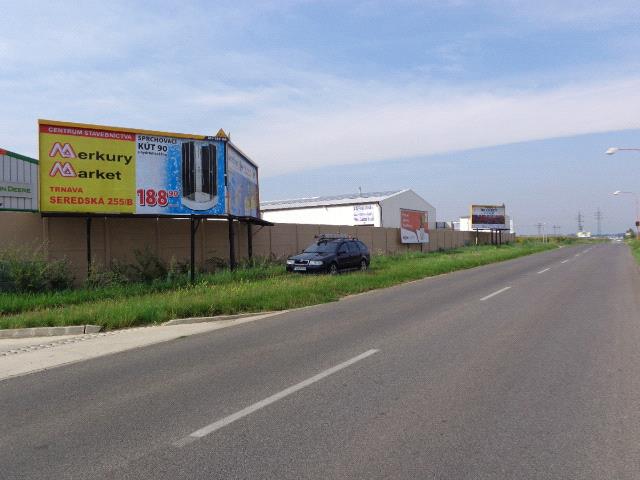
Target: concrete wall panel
(365,235)
(115,239)
(216,235)
(379,238)
(306,235)
(261,241)
(21,229)
(393,240)
(125,235)
(283,240)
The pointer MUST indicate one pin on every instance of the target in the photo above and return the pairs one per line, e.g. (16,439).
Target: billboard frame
(480,227)
(221,137)
(245,157)
(425,215)
(496,232)
(195,219)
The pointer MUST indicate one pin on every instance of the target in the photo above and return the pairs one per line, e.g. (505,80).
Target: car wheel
(363,265)
(333,269)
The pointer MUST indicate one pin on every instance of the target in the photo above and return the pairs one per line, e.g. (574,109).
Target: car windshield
(321,247)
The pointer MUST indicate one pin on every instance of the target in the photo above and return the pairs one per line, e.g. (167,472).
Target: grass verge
(13,303)
(635,249)
(251,290)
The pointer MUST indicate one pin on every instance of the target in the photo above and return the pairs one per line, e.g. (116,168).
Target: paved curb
(85,329)
(49,331)
(48,354)
(183,321)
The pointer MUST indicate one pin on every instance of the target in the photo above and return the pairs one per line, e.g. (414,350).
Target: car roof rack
(334,236)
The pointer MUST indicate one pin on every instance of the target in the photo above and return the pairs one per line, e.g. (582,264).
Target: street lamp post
(620,192)
(612,150)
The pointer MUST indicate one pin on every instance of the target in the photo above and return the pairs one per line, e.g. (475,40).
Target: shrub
(177,270)
(105,277)
(22,270)
(213,264)
(147,267)
(58,275)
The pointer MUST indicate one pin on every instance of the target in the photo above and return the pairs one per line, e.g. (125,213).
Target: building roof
(17,156)
(346,199)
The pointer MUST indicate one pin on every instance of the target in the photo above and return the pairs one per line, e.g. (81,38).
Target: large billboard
(110,170)
(414,226)
(488,217)
(242,183)
(18,182)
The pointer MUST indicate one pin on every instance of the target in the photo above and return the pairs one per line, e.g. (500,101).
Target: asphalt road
(453,377)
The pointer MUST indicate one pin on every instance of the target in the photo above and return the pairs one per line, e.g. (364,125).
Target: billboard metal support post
(88,232)
(195,223)
(249,241)
(232,246)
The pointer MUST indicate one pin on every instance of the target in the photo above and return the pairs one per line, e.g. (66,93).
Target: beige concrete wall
(117,239)
(20,229)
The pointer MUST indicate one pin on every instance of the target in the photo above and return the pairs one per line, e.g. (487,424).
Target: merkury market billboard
(109,170)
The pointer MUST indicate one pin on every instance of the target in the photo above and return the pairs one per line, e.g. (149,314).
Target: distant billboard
(18,182)
(110,170)
(414,226)
(488,217)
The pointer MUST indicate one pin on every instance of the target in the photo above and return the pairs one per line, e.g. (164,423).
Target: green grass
(11,303)
(635,248)
(264,288)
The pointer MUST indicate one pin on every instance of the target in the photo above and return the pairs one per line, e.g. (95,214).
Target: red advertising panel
(413,226)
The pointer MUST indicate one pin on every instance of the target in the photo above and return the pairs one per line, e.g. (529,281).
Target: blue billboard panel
(178,176)
(242,184)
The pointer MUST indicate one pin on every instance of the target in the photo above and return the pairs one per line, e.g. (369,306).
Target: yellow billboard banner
(87,170)
(103,170)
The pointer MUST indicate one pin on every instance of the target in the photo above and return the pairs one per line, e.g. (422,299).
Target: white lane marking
(577,254)
(545,270)
(217,425)
(564,261)
(494,293)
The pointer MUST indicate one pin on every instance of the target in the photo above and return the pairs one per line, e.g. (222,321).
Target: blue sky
(463,101)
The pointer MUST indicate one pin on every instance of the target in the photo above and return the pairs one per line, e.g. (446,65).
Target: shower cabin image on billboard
(199,175)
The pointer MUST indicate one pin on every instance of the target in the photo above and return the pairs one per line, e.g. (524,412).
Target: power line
(599,216)
(580,218)
(542,231)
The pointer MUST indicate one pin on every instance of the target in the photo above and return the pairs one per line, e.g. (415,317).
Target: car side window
(342,248)
(353,248)
(363,247)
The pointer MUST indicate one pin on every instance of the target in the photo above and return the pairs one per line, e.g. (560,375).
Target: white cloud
(590,14)
(390,123)
(289,115)
(310,119)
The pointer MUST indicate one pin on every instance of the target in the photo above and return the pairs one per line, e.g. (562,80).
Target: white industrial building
(18,182)
(378,209)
